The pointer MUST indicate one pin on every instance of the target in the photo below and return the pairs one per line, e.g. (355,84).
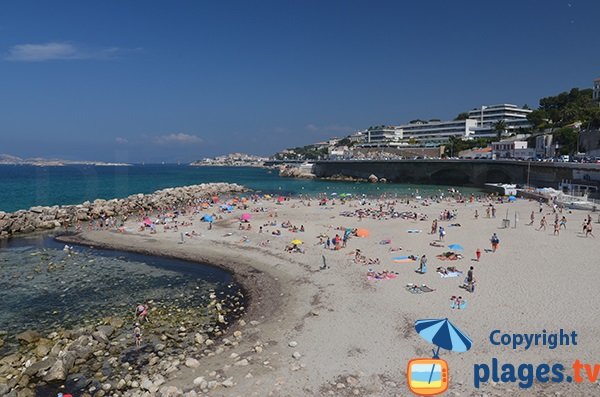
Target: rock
(209,342)
(227,382)
(351,381)
(373,178)
(199,338)
(315,312)
(258,349)
(39,366)
(293,344)
(43,347)
(237,334)
(106,386)
(28,336)
(199,380)
(296,355)
(340,386)
(192,363)
(241,363)
(106,330)
(100,337)
(115,322)
(121,384)
(58,371)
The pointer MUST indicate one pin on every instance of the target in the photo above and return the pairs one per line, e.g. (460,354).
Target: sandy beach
(312,332)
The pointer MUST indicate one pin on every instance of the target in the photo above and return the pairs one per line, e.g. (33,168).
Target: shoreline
(257,286)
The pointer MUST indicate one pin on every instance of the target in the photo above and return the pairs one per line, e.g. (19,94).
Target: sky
(153,81)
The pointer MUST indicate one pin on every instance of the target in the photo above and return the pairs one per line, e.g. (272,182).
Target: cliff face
(46,218)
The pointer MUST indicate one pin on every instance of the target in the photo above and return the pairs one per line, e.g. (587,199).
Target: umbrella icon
(456,247)
(443,334)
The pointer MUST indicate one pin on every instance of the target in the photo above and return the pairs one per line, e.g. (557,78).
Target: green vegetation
(566,108)
(500,128)
(458,145)
(567,139)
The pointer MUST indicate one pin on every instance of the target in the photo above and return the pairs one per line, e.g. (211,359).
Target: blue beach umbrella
(442,333)
(456,247)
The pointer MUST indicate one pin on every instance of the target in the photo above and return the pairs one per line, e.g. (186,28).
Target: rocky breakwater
(102,359)
(47,218)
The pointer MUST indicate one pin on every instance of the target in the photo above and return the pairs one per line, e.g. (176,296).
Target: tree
(462,116)
(567,139)
(500,128)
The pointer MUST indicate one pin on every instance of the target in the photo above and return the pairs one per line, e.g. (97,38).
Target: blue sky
(176,81)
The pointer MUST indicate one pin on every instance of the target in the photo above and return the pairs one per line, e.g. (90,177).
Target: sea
(22,186)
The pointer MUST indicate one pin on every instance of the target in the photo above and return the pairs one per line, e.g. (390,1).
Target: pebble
(241,363)
(192,362)
(296,355)
(293,344)
(227,382)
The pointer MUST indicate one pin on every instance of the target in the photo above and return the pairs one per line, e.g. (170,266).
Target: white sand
(365,329)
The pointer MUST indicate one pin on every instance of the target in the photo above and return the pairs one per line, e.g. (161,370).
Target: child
(137,335)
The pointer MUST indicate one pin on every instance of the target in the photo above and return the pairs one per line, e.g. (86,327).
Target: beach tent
(296,242)
(512,198)
(246,217)
(362,233)
(208,218)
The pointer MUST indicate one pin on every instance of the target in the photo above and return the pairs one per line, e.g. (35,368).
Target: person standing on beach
(563,222)
(495,241)
(542,223)
(423,264)
(476,214)
(478,254)
(531,218)
(588,230)
(442,233)
(137,335)
(556,228)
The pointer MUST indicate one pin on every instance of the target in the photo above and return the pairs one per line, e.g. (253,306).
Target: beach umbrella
(215,199)
(280,199)
(443,334)
(512,198)
(246,217)
(208,218)
(362,233)
(296,241)
(456,247)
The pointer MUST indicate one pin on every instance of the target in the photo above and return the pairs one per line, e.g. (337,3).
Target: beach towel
(415,289)
(450,274)
(463,305)
(388,277)
(403,259)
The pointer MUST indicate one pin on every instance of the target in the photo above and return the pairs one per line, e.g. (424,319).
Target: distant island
(232,160)
(7,159)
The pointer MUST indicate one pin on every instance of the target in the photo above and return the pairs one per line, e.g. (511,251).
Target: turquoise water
(22,187)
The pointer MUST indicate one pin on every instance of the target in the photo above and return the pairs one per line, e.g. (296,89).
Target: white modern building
(596,93)
(383,135)
(514,118)
(437,132)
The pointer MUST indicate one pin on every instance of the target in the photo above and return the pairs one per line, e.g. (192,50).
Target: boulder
(373,178)
(28,336)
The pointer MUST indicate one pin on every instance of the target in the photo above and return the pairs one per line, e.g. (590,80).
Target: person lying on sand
(394,249)
(436,244)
